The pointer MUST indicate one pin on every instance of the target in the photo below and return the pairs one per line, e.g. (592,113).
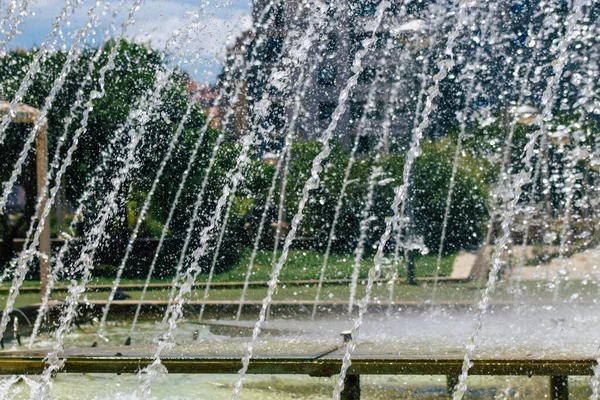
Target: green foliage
(135,73)
(432,173)
(318,214)
(565,150)
(150,226)
(431,182)
(489,142)
(136,68)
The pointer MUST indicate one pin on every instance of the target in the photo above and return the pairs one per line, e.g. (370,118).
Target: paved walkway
(580,266)
(463,264)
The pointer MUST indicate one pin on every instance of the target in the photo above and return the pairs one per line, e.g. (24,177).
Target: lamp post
(271,159)
(409,252)
(29,115)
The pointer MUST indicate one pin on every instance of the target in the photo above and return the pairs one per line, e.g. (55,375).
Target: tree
(136,68)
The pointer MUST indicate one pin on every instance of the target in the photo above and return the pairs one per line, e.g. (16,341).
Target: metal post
(351,388)
(410,267)
(351,382)
(410,231)
(559,387)
(41,159)
(451,382)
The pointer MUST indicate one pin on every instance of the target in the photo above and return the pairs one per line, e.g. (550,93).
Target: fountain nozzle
(346,335)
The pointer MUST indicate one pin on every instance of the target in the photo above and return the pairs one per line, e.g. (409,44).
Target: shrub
(431,174)
(468,212)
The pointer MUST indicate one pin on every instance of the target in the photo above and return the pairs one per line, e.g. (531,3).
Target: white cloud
(155,22)
(209,34)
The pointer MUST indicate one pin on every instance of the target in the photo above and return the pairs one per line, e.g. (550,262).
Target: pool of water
(526,331)
(561,330)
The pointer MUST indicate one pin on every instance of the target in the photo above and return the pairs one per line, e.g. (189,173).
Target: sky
(212,25)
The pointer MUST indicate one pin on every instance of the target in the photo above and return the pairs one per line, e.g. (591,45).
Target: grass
(307,264)
(572,292)
(300,265)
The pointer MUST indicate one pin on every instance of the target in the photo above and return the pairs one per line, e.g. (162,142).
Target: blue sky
(155,22)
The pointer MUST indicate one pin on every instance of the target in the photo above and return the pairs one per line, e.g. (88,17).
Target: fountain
(367,188)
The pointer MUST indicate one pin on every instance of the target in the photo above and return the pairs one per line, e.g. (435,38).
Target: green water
(284,387)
